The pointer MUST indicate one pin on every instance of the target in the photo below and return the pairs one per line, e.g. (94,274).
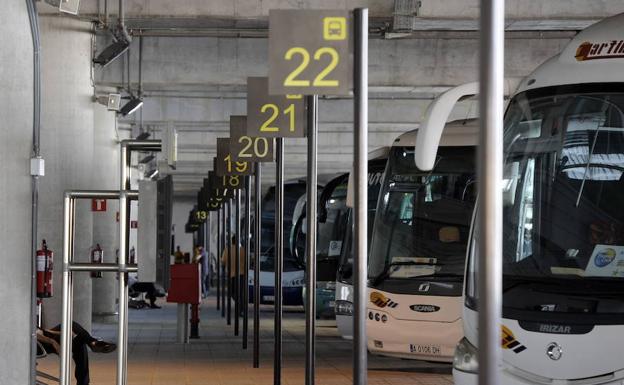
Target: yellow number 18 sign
(310,52)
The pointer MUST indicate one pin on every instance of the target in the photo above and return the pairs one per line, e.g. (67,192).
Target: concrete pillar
(67,146)
(105,231)
(16,112)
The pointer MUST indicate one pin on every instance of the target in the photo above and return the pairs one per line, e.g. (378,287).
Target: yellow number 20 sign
(246,147)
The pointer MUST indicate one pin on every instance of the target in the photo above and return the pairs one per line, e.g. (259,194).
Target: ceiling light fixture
(121,41)
(151,174)
(144,135)
(130,107)
(112,52)
(147,159)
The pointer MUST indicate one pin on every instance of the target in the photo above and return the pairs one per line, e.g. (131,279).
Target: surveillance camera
(66,6)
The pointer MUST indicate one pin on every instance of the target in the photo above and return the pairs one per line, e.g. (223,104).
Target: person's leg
(233,288)
(79,332)
(81,360)
(150,294)
(204,281)
(243,287)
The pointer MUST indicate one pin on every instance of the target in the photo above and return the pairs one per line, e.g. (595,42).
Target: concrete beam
(225,63)
(443,9)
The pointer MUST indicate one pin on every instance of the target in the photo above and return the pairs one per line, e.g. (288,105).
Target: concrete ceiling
(197,55)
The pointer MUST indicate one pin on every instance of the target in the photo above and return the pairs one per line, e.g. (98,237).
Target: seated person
(150,290)
(50,339)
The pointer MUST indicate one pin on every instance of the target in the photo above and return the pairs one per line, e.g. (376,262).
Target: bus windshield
(292,192)
(423,221)
(563,233)
(331,232)
(376,169)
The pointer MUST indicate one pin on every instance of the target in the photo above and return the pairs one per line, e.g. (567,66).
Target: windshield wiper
(527,280)
(591,153)
(387,270)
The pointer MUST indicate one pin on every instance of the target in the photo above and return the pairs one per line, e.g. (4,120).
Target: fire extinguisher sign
(98,205)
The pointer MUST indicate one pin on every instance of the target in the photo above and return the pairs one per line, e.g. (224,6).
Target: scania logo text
(425,308)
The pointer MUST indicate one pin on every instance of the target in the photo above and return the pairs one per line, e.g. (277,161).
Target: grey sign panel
(212,199)
(147,233)
(225,165)
(273,116)
(248,148)
(220,188)
(311,52)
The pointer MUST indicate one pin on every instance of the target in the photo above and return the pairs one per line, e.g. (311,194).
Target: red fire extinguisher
(97,256)
(132,256)
(45,258)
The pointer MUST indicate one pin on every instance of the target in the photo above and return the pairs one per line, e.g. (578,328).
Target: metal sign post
(274,116)
(279,260)
(207,248)
(245,146)
(228,259)
(219,196)
(360,80)
(301,44)
(311,204)
(490,197)
(257,245)
(237,268)
(229,172)
(245,289)
(218,264)
(224,276)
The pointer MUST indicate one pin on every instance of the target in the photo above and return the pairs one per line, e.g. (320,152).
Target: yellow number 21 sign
(273,116)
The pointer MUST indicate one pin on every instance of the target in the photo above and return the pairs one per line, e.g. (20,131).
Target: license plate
(268,298)
(432,350)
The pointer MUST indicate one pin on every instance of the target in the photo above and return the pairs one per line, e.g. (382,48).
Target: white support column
(67,146)
(16,110)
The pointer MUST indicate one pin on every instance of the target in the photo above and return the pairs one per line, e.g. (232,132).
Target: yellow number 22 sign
(310,52)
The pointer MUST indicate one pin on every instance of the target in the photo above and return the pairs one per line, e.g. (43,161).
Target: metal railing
(125,195)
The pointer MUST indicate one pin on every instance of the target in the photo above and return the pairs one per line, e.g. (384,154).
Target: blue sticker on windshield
(606,261)
(604,257)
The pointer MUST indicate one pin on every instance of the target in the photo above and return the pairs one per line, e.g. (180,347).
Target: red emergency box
(185,284)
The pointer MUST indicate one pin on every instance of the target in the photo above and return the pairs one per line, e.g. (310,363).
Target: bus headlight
(344,308)
(295,282)
(465,358)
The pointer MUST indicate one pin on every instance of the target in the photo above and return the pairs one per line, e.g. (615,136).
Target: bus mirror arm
(434,121)
(436,117)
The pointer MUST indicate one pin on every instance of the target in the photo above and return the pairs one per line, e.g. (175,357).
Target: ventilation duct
(405,13)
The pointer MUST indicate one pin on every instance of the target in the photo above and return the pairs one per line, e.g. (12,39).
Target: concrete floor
(217,357)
